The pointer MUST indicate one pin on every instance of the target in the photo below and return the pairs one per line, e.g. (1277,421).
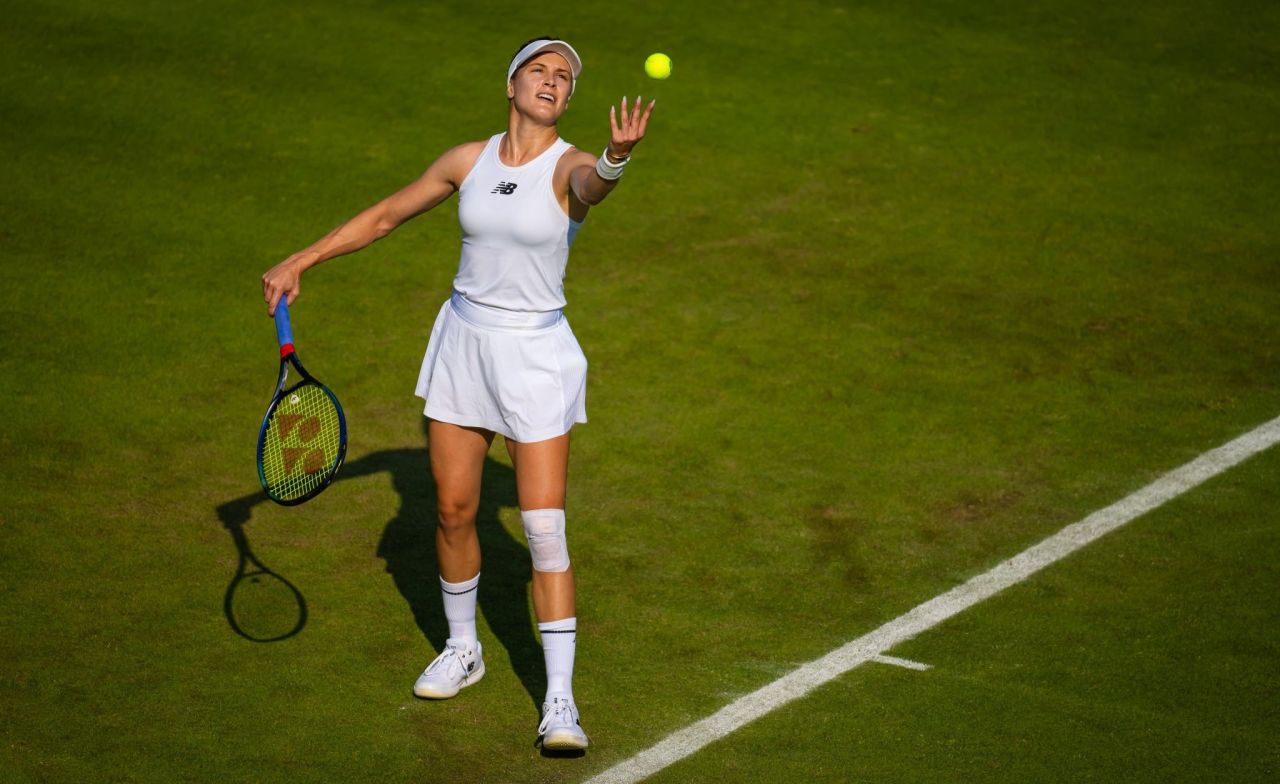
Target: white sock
(559,640)
(460,608)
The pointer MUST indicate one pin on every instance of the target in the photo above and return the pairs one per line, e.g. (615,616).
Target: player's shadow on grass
(408,548)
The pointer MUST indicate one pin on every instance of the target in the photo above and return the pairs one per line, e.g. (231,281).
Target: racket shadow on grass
(260,604)
(407,546)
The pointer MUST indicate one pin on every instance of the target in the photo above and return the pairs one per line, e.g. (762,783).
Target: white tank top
(515,235)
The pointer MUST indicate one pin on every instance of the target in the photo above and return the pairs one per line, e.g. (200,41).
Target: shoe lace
(557,712)
(449,658)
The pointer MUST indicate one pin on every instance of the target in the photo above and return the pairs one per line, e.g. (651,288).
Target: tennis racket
(304,433)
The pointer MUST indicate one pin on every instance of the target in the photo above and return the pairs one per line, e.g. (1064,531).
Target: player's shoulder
(456,162)
(573,157)
(467,152)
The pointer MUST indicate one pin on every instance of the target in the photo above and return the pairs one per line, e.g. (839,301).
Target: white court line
(808,677)
(896,662)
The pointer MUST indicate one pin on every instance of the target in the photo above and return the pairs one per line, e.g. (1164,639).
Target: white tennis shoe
(560,729)
(458,666)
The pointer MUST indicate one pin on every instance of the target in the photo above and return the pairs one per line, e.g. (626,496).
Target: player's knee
(544,528)
(455,515)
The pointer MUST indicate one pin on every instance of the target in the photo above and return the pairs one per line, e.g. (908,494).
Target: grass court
(891,292)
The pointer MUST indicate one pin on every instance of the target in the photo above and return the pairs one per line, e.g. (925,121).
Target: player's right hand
(282,280)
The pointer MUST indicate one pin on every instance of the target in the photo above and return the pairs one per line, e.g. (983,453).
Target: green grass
(1148,656)
(891,292)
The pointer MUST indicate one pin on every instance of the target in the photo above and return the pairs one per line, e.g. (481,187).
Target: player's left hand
(627,133)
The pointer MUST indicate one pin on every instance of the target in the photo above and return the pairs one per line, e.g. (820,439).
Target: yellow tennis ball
(658,65)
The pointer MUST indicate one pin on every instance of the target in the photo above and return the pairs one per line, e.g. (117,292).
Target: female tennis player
(501,357)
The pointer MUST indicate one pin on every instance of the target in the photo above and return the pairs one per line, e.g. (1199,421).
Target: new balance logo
(505,188)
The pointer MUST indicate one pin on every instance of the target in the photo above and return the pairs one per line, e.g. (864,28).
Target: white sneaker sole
(564,740)
(428,692)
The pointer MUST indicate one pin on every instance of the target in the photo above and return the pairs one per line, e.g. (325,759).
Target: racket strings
(303,443)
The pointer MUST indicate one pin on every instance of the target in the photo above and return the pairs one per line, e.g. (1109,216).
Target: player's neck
(525,140)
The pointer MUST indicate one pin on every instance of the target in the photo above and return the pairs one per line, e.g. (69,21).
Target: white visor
(541,45)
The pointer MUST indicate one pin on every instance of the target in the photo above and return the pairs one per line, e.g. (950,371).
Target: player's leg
(542,470)
(457,464)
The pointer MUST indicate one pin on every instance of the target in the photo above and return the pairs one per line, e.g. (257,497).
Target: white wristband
(608,170)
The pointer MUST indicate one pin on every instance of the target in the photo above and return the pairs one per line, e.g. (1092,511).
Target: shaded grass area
(890,293)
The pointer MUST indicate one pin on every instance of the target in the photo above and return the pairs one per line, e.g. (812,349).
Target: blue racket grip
(284,330)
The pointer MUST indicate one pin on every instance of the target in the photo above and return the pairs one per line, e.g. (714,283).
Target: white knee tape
(544,528)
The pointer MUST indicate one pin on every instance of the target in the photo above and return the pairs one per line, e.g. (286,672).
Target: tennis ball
(658,65)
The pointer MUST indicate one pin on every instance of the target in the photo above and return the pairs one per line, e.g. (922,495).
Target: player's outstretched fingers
(628,122)
(644,118)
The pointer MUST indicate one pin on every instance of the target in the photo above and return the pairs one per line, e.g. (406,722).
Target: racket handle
(284,330)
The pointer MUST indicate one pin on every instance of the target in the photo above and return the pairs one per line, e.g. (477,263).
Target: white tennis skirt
(519,374)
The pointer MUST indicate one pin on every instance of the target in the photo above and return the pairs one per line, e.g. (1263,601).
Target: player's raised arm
(441,179)
(592,183)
